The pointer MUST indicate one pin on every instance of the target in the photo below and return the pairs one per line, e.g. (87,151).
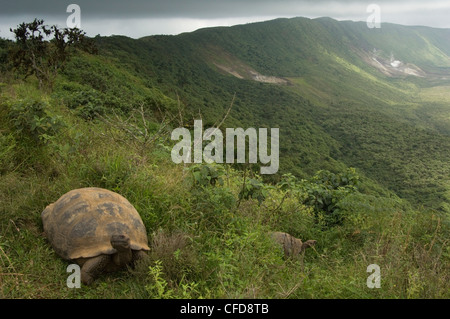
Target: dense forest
(364,120)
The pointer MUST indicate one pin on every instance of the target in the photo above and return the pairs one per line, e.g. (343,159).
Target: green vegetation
(106,122)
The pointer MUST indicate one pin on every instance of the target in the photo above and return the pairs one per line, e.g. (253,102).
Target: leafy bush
(87,103)
(83,97)
(31,120)
(214,208)
(213,203)
(325,191)
(254,188)
(207,174)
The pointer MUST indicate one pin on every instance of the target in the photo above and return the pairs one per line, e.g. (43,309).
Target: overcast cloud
(137,18)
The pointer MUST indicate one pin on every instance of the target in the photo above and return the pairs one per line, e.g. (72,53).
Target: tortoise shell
(80,223)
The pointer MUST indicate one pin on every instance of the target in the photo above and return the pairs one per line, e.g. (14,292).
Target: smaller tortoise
(97,229)
(292,246)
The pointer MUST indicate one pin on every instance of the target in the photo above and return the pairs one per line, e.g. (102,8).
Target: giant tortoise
(292,246)
(97,229)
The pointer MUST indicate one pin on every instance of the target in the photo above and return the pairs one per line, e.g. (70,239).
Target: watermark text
(374,20)
(74,20)
(74,280)
(236,146)
(374,280)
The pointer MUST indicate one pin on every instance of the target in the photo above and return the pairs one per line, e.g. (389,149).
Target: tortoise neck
(122,257)
(121,243)
(306,245)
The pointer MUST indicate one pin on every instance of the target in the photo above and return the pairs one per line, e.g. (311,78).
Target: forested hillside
(364,119)
(340,100)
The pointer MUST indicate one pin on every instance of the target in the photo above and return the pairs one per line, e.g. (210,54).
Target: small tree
(43,50)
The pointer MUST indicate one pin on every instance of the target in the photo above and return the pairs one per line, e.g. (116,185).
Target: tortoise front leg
(93,267)
(138,255)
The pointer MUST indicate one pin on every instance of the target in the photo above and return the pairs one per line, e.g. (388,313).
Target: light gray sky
(138,18)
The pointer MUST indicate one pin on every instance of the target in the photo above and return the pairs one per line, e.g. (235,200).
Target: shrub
(207,174)
(214,208)
(253,188)
(87,103)
(32,121)
(325,191)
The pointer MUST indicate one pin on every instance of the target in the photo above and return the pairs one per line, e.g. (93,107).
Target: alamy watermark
(74,280)
(374,20)
(74,20)
(214,152)
(374,280)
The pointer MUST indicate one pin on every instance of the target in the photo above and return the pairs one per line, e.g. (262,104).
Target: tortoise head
(120,242)
(309,243)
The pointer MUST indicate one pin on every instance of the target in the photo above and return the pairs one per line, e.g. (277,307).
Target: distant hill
(341,93)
